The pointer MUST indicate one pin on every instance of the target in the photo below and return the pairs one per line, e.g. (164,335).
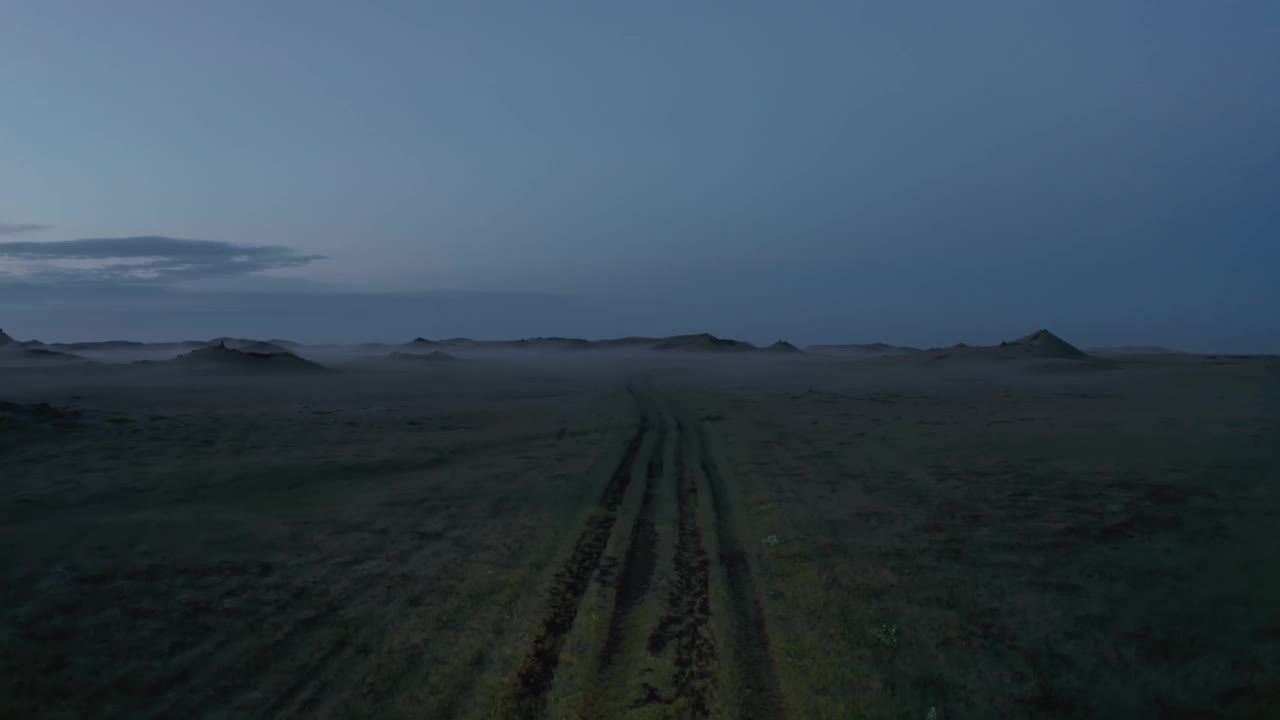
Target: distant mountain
(101,345)
(782,346)
(550,343)
(878,348)
(233,342)
(702,342)
(1041,344)
(109,345)
(259,346)
(1045,344)
(632,341)
(221,357)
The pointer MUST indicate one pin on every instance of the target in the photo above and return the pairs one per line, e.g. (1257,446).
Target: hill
(631,341)
(702,342)
(19,354)
(221,357)
(782,346)
(1039,345)
(861,349)
(261,347)
(233,342)
(1043,343)
(548,343)
(101,345)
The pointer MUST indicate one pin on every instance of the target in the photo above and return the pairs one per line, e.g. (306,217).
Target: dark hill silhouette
(221,357)
(101,345)
(550,343)
(862,349)
(632,341)
(699,342)
(782,346)
(22,354)
(1043,343)
(232,342)
(1039,345)
(262,347)
(702,342)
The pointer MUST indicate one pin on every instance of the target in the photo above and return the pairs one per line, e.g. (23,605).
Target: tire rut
(686,622)
(749,629)
(569,585)
(638,564)
(684,633)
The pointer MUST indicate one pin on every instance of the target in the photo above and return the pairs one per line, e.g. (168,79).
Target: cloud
(19,228)
(147,259)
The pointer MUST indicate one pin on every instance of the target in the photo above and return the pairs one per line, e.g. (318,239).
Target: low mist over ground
(1041,344)
(688,526)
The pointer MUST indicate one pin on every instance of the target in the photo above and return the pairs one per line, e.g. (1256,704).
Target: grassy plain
(643,537)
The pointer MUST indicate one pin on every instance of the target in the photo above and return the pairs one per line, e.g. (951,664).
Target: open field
(708,536)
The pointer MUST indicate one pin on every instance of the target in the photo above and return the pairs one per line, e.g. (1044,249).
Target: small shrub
(884,634)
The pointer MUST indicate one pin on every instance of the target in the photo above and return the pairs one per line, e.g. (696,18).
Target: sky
(910,172)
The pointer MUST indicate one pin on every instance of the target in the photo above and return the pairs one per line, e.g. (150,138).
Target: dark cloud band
(19,228)
(151,259)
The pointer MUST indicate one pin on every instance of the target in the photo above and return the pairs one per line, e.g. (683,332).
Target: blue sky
(910,172)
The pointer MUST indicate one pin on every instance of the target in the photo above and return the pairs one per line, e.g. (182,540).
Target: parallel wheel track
(687,633)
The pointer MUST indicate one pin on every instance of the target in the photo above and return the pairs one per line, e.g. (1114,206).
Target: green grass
(902,544)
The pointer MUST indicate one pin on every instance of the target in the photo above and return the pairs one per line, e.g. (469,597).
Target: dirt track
(688,645)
